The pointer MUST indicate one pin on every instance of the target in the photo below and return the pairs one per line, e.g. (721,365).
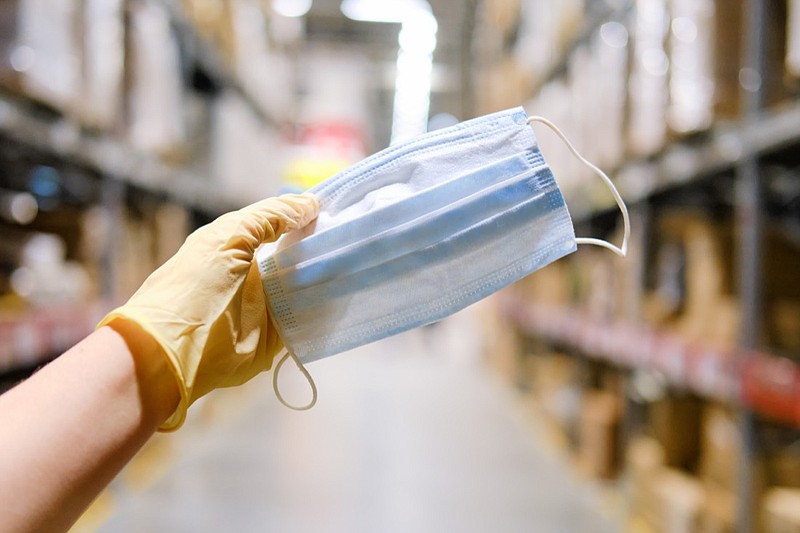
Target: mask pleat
(504,131)
(403,210)
(416,233)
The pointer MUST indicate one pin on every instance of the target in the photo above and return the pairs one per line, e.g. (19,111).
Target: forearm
(71,427)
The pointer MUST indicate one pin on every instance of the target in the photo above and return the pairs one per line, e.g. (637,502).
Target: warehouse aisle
(410,435)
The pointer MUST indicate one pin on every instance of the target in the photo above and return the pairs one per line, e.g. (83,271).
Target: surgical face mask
(417,232)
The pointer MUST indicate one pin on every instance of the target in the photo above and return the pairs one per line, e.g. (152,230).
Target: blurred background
(660,393)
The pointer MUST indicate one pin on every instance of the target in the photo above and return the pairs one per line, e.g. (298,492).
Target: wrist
(156,384)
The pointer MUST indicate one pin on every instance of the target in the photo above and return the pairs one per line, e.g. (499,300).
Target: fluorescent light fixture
(417,41)
(418,33)
(291,8)
(382,10)
(412,92)
(411,96)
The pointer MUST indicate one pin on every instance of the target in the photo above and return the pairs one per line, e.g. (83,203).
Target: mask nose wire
(623,250)
(302,369)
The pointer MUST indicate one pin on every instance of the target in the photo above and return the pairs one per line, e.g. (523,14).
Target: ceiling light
(291,8)
(382,10)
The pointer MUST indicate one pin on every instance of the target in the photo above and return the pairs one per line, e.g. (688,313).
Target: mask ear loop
(303,371)
(623,250)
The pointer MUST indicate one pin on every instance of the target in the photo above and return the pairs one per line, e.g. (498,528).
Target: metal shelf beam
(111,158)
(722,149)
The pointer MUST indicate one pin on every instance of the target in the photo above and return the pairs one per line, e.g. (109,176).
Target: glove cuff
(178,417)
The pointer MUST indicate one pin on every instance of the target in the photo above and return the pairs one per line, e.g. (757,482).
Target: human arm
(71,427)
(198,323)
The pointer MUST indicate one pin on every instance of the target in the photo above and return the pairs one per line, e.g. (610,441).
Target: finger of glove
(287,212)
(268,219)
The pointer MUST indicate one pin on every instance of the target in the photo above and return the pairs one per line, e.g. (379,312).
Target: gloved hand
(206,306)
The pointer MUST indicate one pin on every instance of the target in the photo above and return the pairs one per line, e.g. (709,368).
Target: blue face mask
(417,232)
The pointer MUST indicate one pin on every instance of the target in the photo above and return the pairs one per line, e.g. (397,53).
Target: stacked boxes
(718,469)
(781,293)
(598,434)
(42,51)
(680,499)
(728,57)
(675,423)
(793,39)
(691,53)
(680,75)
(693,280)
(644,459)
(647,86)
(154,122)
(781,511)
(66,55)
(103,35)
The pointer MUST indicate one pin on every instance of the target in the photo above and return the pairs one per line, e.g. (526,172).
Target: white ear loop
(623,250)
(305,373)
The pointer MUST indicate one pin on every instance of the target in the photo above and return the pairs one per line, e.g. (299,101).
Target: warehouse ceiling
(326,25)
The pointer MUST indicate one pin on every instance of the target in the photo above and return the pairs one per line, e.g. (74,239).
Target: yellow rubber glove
(206,306)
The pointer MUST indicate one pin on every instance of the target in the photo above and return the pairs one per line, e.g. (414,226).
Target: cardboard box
(695,292)
(705,267)
(9,75)
(549,286)
(551,372)
(503,15)
(213,21)
(781,292)
(793,38)
(554,97)
(731,24)
(155,87)
(777,88)
(103,45)
(505,84)
(780,510)
(96,239)
(598,440)
(680,499)
(67,55)
(639,524)
(784,321)
(781,262)
(553,379)
(675,423)
(501,343)
(132,256)
(720,451)
(782,468)
(41,52)
(601,279)
(644,459)
(610,52)
(691,51)
(243,146)
(647,85)
(584,86)
(266,72)
(50,31)
(719,511)
(728,50)
(171,225)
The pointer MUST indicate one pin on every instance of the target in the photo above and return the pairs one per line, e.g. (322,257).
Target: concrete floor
(411,434)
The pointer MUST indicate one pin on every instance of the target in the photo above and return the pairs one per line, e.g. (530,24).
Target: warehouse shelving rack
(727,148)
(763,385)
(31,337)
